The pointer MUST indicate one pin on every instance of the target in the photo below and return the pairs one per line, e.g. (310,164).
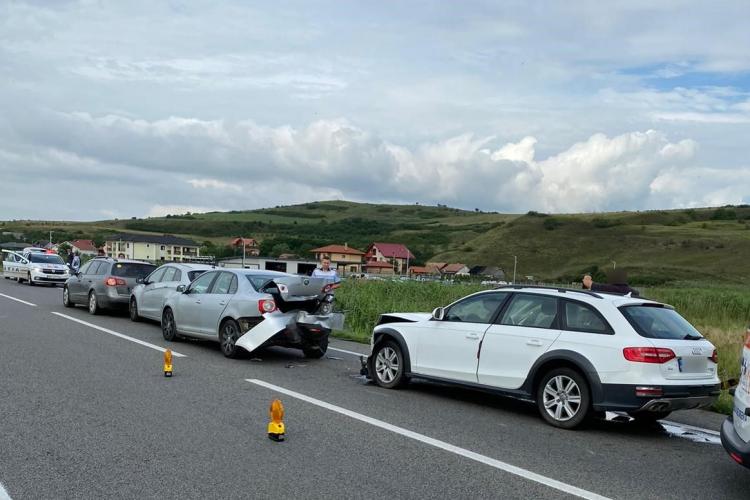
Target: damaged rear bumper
(291,329)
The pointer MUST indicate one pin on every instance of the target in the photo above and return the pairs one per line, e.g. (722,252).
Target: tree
(63,250)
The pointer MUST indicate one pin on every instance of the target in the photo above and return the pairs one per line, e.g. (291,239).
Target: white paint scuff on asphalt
(3,493)
(497,464)
(120,335)
(358,354)
(17,300)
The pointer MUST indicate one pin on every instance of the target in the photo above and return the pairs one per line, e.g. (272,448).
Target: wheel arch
(565,359)
(384,334)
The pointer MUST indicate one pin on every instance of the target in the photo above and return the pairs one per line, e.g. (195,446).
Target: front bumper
(738,449)
(622,397)
(49,278)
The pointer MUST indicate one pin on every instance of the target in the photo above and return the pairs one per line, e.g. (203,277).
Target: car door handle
(197,301)
(472,336)
(222,303)
(534,342)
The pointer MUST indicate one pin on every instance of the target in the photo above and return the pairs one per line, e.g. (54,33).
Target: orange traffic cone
(276,425)
(168,363)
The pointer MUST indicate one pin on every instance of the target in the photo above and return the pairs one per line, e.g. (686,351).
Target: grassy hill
(708,245)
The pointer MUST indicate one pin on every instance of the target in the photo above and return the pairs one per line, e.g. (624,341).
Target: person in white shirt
(325,271)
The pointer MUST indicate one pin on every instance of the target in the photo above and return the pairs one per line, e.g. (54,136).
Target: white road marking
(120,335)
(497,464)
(17,300)
(358,354)
(3,493)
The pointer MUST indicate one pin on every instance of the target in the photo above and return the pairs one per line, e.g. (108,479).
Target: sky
(113,109)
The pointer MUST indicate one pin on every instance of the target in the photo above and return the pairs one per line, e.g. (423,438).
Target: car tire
(29,281)
(133,310)
(168,325)
(93,303)
(388,365)
(66,298)
(648,417)
(563,398)
(229,332)
(318,351)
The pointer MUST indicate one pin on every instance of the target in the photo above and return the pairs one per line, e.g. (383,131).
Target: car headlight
(36,270)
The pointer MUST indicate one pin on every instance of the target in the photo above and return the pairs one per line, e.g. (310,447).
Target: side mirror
(182,289)
(438,313)
(140,281)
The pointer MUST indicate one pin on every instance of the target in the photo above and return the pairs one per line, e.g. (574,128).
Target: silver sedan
(249,309)
(148,297)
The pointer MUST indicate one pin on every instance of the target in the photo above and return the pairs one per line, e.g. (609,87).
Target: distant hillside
(711,244)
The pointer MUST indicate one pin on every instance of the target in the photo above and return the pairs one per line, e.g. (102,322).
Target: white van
(735,433)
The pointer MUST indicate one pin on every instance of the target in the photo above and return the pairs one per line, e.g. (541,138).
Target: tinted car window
(169,274)
(92,268)
(45,258)
(538,311)
(157,275)
(476,309)
(657,322)
(202,283)
(86,266)
(102,269)
(132,269)
(584,318)
(223,283)
(258,280)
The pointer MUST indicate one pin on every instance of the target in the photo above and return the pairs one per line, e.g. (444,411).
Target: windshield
(258,280)
(657,322)
(132,270)
(46,258)
(194,274)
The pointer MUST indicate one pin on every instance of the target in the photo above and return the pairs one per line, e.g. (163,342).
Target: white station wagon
(573,352)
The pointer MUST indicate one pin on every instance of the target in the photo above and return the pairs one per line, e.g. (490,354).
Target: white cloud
(213,184)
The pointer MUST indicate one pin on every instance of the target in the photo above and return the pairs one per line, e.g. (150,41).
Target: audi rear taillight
(715,357)
(112,281)
(266,306)
(658,355)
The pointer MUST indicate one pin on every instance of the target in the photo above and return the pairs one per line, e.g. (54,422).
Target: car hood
(42,265)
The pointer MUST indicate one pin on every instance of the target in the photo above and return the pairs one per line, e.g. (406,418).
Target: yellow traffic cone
(168,363)
(276,425)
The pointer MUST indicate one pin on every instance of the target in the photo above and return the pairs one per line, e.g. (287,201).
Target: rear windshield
(46,258)
(258,280)
(131,270)
(656,322)
(194,274)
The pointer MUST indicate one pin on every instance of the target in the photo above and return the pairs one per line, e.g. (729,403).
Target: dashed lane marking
(120,335)
(497,464)
(17,300)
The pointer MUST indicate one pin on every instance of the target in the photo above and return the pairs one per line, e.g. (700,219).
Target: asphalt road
(87,414)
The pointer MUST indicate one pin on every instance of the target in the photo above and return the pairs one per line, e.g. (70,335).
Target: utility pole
(515,263)
(50,238)
(614,265)
(242,240)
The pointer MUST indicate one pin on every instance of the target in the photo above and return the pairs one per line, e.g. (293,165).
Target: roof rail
(558,289)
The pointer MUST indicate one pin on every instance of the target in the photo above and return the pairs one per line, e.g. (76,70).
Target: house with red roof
(343,257)
(84,247)
(395,254)
(455,270)
(377,267)
(252,247)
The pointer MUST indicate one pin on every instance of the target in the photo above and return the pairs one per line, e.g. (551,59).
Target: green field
(656,247)
(720,313)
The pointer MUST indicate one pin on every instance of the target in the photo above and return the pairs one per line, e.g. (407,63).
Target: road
(86,413)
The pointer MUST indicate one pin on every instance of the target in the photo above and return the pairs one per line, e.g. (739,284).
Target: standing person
(70,259)
(325,271)
(76,264)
